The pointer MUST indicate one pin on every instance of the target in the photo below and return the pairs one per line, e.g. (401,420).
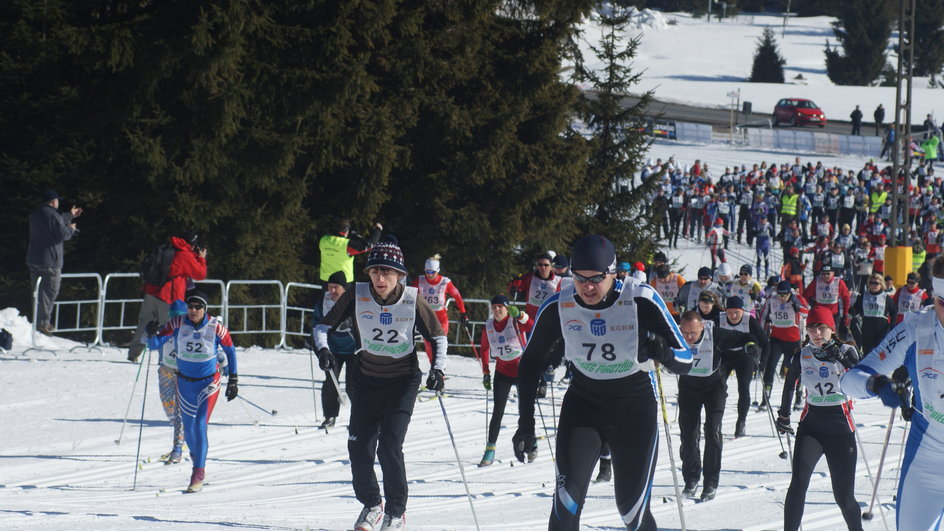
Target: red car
(797,112)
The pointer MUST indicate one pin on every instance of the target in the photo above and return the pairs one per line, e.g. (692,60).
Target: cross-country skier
(383,387)
(743,363)
(606,329)
(436,288)
(167,378)
(340,341)
(537,285)
(874,312)
(198,338)
(918,344)
(785,316)
(826,425)
(503,338)
(687,298)
(704,388)
(910,298)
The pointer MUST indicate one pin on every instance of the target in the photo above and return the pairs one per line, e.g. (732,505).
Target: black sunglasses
(196,306)
(595,279)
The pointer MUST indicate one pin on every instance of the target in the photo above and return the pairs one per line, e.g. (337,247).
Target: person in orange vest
(668,284)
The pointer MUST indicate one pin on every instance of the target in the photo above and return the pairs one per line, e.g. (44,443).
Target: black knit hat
(337,278)
(593,253)
(387,254)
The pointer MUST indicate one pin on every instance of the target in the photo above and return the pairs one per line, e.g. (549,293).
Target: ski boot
(542,390)
(739,429)
(690,488)
(369,518)
(708,494)
(173,457)
(606,470)
(328,423)
(196,480)
(392,523)
(489,456)
(763,402)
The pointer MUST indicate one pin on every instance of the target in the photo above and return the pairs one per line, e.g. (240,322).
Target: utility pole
(901,154)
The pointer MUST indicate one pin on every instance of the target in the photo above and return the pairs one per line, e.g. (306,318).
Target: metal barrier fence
(794,139)
(109,308)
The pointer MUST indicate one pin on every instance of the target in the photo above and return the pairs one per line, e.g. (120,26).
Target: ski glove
(231,388)
(752,350)
(326,359)
(783,425)
(487,382)
(882,385)
(151,328)
(523,442)
(435,382)
(463,319)
(514,312)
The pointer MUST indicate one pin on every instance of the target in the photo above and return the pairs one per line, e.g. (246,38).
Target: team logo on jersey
(196,335)
(809,371)
(598,326)
(386,318)
(930,373)
(432,290)
(367,315)
(501,339)
(574,325)
(824,372)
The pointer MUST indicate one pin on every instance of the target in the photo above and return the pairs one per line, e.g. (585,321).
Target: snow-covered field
(62,469)
(62,409)
(698,63)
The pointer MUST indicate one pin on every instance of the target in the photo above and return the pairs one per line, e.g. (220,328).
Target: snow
(688,60)
(63,405)
(62,466)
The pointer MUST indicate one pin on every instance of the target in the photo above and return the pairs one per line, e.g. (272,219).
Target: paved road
(720,119)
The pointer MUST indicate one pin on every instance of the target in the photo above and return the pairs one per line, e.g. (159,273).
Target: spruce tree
(929,37)
(768,63)
(617,143)
(863,30)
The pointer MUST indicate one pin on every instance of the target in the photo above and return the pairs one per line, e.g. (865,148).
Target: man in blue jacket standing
(48,229)
(340,341)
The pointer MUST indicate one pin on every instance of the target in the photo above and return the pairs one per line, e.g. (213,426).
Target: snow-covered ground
(62,469)
(697,62)
(62,408)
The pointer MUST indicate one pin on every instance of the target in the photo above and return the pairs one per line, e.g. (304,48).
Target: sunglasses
(595,279)
(544,265)
(874,283)
(431,272)
(196,306)
(911,282)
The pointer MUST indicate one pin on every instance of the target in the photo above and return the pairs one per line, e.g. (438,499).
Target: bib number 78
(607,351)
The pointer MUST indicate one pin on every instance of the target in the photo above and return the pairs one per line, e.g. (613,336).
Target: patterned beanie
(387,254)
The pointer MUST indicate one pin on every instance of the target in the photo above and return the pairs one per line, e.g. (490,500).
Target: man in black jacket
(48,229)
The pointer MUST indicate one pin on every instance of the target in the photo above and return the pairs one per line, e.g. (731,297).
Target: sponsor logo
(926,352)
(196,335)
(617,328)
(824,372)
(807,356)
(403,319)
(386,318)
(809,371)
(568,304)
(598,327)
(363,299)
(574,325)
(367,315)
(501,339)
(432,290)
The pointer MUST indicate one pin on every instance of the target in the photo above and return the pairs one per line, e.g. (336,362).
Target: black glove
(231,388)
(435,381)
(828,352)
(881,385)
(464,319)
(752,350)
(487,382)
(523,441)
(326,359)
(783,424)
(151,328)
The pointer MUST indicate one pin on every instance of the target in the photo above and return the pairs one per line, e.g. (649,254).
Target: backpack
(155,269)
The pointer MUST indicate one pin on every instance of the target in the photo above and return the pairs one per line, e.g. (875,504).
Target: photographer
(188,264)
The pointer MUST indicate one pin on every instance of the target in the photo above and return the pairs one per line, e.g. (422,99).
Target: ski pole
(867,515)
(455,448)
(553,403)
(486,416)
(273,412)
(901,452)
(668,442)
(130,399)
(547,435)
(337,386)
(770,413)
(311,363)
(867,467)
(137,455)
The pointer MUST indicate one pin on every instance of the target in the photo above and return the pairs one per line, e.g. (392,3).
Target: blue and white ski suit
(918,344)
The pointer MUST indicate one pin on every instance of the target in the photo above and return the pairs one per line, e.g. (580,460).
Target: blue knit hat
(178,307)
(387,254)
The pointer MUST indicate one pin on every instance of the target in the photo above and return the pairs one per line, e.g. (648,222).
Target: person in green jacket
(930,149)
(339,248)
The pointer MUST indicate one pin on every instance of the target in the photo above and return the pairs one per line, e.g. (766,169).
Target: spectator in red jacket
(189,264)
(830,291)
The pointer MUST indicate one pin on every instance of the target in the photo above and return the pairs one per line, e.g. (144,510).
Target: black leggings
(501,387)
(631,430)
(330,402)
(743,367)
(691,402)
(778,348)
(817,434)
